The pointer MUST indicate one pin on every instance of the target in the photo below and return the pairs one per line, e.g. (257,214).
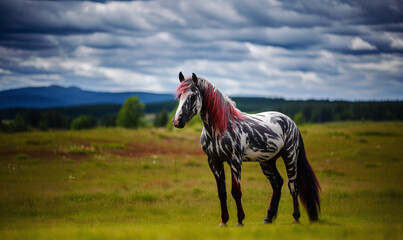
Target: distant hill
(56,96)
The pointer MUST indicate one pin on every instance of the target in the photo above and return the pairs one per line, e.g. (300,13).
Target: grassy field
(156,184)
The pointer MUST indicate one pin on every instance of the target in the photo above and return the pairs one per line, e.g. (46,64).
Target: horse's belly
(258,155)
(262,151)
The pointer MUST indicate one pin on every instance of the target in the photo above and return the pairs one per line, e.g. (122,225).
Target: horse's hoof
(239,224)
(222,224)
(267,221)
(295,222)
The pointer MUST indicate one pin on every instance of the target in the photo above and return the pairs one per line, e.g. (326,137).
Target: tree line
(317,111)
(131,114)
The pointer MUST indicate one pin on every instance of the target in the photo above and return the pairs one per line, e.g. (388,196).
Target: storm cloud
(292,49)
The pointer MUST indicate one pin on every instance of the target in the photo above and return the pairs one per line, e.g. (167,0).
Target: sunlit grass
(156,184)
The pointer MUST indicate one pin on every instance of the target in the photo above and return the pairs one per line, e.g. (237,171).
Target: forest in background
(313,111)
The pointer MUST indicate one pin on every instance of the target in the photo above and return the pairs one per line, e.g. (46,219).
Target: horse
(234,137)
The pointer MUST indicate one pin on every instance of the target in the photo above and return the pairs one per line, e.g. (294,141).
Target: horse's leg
(236,189)
(270,171)
(296,214)
(218,170)
(291,167)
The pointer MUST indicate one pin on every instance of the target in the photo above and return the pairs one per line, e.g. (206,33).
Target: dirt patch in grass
(33,153)
(83,150)
(377,134)
(147,149)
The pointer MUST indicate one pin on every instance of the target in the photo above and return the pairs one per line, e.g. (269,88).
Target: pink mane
(220,110)
(183,87)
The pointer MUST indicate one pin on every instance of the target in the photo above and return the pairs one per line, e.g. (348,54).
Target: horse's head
(190,100)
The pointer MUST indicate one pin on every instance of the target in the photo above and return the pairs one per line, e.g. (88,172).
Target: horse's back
(266,135)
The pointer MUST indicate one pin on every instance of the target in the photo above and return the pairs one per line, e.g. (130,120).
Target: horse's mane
(183,87)
(219,108)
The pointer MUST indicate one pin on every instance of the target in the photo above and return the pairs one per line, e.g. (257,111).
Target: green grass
(156,184)
(116,146)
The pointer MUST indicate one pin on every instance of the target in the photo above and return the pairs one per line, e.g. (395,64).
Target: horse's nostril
(178,122)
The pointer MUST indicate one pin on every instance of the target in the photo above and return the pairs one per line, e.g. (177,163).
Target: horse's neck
(209,126)
(210,123)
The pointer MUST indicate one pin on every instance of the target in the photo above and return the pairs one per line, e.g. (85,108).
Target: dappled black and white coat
(235,137)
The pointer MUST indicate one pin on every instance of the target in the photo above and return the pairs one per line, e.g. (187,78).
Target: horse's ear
(194,78)
(181,77)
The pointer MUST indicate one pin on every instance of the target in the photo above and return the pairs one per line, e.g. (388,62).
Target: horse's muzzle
(178,123)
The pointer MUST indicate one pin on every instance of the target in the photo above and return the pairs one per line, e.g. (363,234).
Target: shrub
(161,119)
(299,118)
(131,113)
(3,127)
(18,125)
(84,122)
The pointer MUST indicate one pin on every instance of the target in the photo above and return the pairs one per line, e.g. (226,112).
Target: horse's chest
(219,148)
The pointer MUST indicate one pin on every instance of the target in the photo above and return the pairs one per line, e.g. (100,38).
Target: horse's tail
(308,184)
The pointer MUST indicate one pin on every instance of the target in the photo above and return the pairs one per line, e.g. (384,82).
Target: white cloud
(266,48)
(359,44)
(123,78)
(48,77)
(396,40)
(4,71)
(16,81)
(392,65)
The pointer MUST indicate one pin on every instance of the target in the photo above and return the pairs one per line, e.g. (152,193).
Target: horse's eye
(193,98)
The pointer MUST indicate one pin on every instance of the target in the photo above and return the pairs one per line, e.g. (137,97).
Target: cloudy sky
(293,49)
